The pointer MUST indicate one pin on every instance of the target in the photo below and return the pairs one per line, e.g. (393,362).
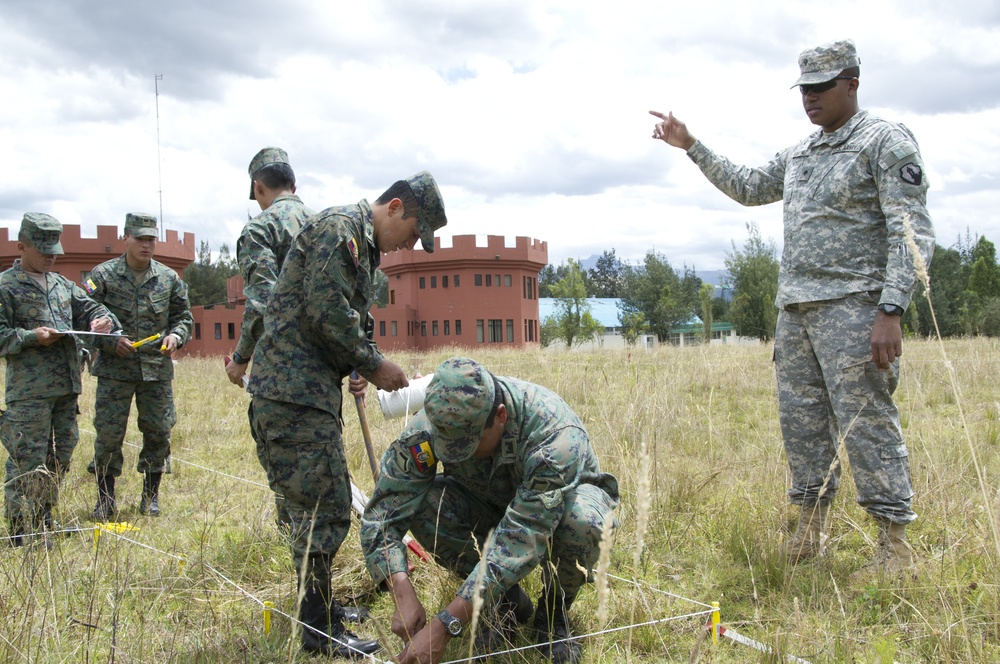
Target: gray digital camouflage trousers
(305,461)
(828,388)
(451,515)
(39,436)
(154,401)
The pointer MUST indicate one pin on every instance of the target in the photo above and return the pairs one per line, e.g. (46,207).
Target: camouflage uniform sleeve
(97,290)
(746,186)
(902,188)
(402,482)
(328,293)
(181,319)
(519,541)
(12,339)
(87,310)
(259,267)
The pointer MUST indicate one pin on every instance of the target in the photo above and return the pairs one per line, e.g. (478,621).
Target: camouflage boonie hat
(458,401)
(138,224)
(825,62)
(43,231)
(430,217)
(262,159)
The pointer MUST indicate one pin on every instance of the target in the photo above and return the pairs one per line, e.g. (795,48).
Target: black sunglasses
(822,87)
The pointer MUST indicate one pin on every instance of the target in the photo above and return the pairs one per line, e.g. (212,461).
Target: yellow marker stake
(267,617)
(143,342)
(180,566)
(716,619)
(97,536)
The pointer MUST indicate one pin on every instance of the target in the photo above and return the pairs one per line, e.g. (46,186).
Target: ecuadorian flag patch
(353,246)
(423,455)
(89,286)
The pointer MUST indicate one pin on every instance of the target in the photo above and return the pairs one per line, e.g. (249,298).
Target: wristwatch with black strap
(239,359)
(891,309)
(451,623)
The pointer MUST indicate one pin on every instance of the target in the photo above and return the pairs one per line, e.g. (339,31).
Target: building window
(231,330)
(392,328)
(478,279)
(497,279)
(458,327)
(447,327)
(479,331)
(510,330)
(456,281)
(489,279)
(496,330)
(434,328)
(434,282)
(409,329)
(197,330)
(381,328)
(84,276)
(422,284)
(218,330)
(423,328)
(444,281)
(508,281)
(392,297)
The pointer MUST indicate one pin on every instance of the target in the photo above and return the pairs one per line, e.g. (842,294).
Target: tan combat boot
(809,538)
(894,556)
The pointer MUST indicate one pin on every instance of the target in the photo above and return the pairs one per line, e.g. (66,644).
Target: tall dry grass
(692,435)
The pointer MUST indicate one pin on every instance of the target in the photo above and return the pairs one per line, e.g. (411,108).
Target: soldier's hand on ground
(389,376)
(357,386)
(427,646)
(47,336)
(887,340)
(672,131)
(235,372)
(410,616)
(123,347)
(102,325)
(169,345)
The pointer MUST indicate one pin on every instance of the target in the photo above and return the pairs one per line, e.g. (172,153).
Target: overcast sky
(531,114)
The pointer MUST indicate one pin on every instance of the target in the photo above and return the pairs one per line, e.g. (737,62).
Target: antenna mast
(159,171)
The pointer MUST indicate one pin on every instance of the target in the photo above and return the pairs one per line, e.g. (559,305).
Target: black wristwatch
(451,623)
(891,309)
(238,359)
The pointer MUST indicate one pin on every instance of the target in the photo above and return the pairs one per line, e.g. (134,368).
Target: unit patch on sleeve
(352,244)
(911,173)
(89,286)
(423,455)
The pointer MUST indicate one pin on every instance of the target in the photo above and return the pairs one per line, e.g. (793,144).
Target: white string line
(662,592)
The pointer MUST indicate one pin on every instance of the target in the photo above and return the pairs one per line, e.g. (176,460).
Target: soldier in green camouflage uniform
(148,298)
(852,193)
(43,381)
(518,463)
(316,332)
(261,251)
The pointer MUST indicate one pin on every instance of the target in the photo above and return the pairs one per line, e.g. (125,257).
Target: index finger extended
(659,115)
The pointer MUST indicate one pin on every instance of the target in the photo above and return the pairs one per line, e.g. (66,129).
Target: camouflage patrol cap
(431,214)
(458,402)
(825,62)
(138,224)
(43,231)
(262,159)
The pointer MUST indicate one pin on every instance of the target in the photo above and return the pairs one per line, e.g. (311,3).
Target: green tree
(572,316)
(607,277)
(633,325)
(984,275)
(705,296)
(206,280)
(753,277)
(664,299)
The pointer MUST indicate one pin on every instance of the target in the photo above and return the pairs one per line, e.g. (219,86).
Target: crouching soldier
(518,463)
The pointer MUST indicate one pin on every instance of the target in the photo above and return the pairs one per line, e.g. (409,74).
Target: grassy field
(186,587)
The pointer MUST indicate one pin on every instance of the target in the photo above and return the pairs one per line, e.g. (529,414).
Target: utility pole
(159,170)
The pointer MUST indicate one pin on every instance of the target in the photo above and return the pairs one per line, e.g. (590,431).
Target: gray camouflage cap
(43,232)
(262,159)
(825,62)
(431,214)
(458,402)
(138,224)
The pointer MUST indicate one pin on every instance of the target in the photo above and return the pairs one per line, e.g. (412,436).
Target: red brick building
(465,295)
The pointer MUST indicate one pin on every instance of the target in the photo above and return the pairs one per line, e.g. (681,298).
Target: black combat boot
(325,616)
(150,501)
(497,629)
(551,623)
(106,508)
